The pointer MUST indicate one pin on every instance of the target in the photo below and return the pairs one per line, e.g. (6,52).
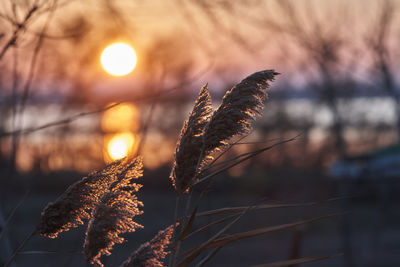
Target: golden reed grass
(107,198)
(205,132)
(153,252)
(190,142)
(114,215)
(76,203)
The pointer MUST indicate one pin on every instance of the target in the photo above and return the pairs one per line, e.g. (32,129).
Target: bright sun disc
(120,145)
(118,59)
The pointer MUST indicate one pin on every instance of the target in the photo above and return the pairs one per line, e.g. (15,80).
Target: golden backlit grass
(108,200)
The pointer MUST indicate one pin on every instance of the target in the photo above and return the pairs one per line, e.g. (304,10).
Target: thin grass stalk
(21,246)
(258,142)
(223,230)
(9,218)
(198,250)
(211,224)
(174,235)
(209,256)
(201,248)
(256,232)
(184,225)
(210,165)
(297,261)
(39,252)
(265,206)
(251,154)
(189,224)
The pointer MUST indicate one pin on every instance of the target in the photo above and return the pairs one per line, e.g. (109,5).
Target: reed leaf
(224,219)
(249,156)
(296,261)
(188,226)
(209,256)
(194,252)
(259,207)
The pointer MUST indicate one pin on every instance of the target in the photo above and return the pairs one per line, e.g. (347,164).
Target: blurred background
(63,114)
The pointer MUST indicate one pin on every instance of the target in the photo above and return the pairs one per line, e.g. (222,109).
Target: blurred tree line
(329,54)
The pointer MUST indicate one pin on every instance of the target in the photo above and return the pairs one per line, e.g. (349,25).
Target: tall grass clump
(107,198)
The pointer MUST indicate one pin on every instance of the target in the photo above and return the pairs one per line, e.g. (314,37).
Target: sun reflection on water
(119,125)
(124,117)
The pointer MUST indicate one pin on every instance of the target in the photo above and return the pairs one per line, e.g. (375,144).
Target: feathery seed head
(76,203)
(190,143)
(153,252)
(114,215)
(206,131)
(238,109)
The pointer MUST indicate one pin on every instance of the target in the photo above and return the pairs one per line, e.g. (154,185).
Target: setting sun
(118,59)
(120,145)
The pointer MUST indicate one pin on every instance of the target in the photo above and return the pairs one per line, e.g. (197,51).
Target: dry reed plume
(203,133)
(239,107)
(114,215)
(190,142)
(76,203)
(153,252)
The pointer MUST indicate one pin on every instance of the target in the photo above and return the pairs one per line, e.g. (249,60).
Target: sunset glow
(121,118)
(121,145)
(118,59)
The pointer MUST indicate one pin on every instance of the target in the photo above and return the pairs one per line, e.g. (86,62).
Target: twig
(20,27)
(33,62)
(25,93)
(58,122)
(75,117)
(147,123)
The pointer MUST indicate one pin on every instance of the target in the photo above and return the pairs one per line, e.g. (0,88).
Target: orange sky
(178,40)
(169,36)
